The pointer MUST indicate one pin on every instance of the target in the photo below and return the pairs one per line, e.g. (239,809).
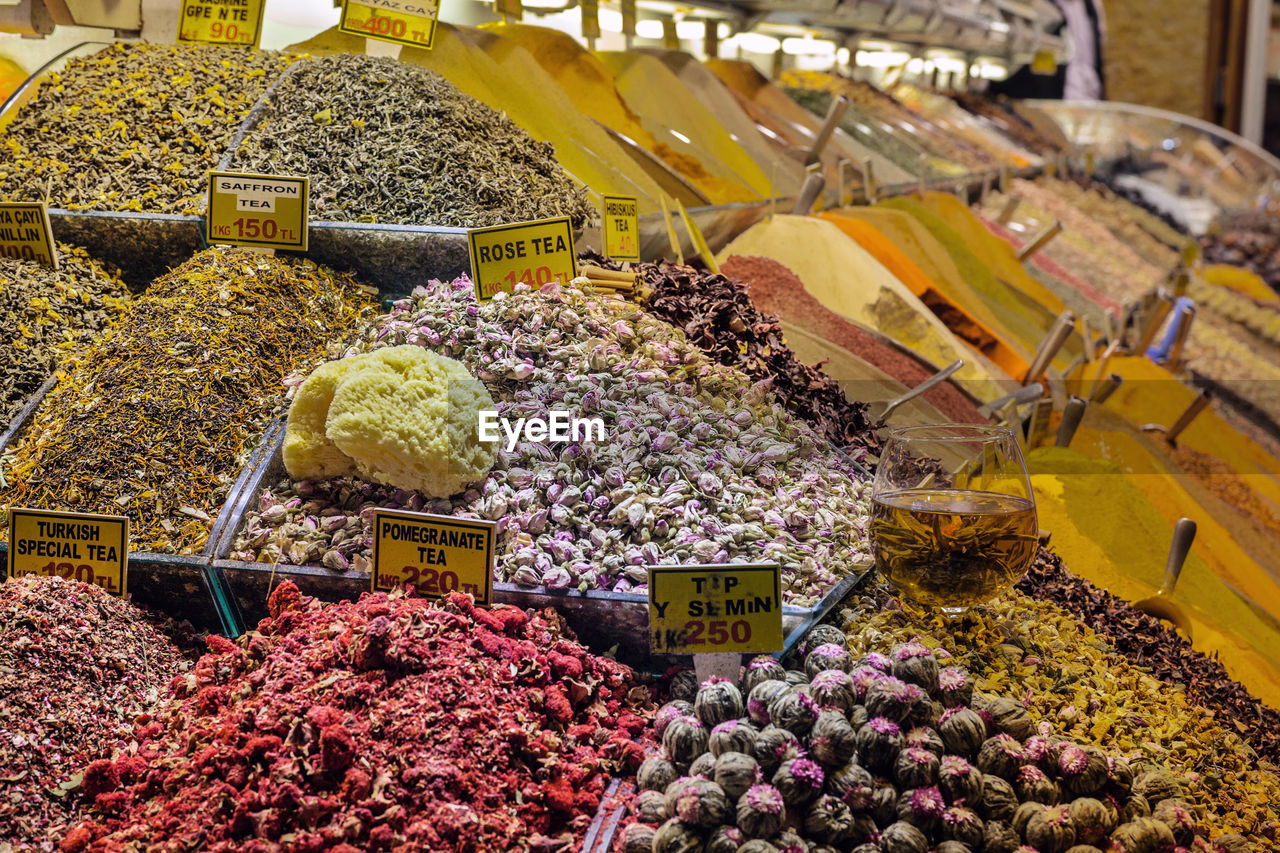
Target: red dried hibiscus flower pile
(386,724)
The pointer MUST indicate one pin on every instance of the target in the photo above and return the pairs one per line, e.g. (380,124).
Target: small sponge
(402,416)
(308,453)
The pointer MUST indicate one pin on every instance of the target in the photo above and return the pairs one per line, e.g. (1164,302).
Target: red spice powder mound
(391,723)
(776,290)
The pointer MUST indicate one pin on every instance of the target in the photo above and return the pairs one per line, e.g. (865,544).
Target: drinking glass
(953,519)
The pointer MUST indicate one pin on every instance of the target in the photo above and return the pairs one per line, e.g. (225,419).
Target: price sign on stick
(435,554)
(719,608)
(25,233)
(535,253)
(405,22)
(621,228)
(74,545)
(221,22)
(259,211)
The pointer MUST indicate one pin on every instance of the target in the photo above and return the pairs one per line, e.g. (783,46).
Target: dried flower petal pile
(78,667)
(695,468)
(388,723)
(153,420)
(1062,671)
(388,142)
(46,314)
(134,126)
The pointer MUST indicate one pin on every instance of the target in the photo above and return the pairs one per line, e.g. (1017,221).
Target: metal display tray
(601,619)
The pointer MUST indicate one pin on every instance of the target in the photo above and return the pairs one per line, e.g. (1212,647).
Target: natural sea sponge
(409,418)
(308,452)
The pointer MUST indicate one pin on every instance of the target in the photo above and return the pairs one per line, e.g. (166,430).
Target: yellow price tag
(590,19)
(407,22)
(435,554)
(25,233)
(262,211)
(535,253)
(1190,253)
(629,18)
(73,545)
(1044,62)
(720,608)
(221,21)
(621,225)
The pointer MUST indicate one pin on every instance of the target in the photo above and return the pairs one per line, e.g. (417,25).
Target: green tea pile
(133,127)
(892,751)
(46,314)
(78,668)
(393,143)
(1061,671)
(153,420)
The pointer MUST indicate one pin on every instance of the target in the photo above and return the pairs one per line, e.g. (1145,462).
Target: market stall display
(694,460)
(251,413)
(154,418)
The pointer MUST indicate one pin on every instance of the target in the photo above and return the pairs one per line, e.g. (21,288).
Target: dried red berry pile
(385,724)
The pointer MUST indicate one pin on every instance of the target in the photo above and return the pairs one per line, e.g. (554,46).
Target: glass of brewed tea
(953,519)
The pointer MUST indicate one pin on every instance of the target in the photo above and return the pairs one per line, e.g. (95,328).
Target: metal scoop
(1161,604)
(1024,395)
(881,409)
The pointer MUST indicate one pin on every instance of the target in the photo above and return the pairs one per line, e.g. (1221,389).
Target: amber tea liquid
(951,548)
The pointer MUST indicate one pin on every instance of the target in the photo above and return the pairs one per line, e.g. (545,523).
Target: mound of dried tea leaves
(46,314)
(78,668)
(388,723)
(152,420)
(387,142)
(134,126)
(697,465)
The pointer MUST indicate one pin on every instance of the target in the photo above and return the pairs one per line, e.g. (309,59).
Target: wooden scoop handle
(1184,533)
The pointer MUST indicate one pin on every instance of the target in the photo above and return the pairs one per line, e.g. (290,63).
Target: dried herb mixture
(78,668)
(387,723)
(153,419)
(46,314)
(1148,642)
(387,142)
(1061,670)
(134,126)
